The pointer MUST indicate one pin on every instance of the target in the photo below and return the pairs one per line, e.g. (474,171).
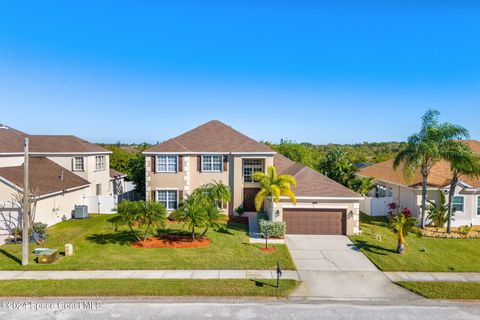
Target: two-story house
(215,151)
(64,171)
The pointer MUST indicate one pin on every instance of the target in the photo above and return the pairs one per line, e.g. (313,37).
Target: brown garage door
(315,221)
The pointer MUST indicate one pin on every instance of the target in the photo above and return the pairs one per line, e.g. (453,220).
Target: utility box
(48,256)
(80,212)
(68,250)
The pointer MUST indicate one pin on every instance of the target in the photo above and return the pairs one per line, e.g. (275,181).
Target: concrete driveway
(331,267)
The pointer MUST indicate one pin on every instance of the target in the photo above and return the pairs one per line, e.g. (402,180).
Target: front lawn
(145,287)
(444,290)
(378,243)
(98,246)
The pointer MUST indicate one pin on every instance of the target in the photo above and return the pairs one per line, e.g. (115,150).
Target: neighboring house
(77,171)
(57,190)
(215,151)
(392,186)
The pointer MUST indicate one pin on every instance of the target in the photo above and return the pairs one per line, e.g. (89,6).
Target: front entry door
(249,199)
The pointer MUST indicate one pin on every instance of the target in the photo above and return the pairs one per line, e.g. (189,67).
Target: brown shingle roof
(115,174)
(10,143)
(45,175)
(213,136)
(58,143)
(440,174)
(311,183)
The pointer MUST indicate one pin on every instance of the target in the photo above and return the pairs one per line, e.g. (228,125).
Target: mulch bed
(172,241)
(268,250)
(442,233)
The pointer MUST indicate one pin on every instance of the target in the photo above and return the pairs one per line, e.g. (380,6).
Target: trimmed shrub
(273,229)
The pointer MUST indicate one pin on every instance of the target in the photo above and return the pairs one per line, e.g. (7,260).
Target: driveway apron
(332,267)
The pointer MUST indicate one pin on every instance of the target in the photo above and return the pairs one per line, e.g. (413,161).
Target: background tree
(136,173)
(297,152)
(273,185)
(463,162)
(338,166)
(424,149)
(362,185)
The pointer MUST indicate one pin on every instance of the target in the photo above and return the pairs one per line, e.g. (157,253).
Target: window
(457,203)
(249,167)
(212,163)
(478,205)
(99,163)
(166,163)
(78,164)
(98,188)
(168,198)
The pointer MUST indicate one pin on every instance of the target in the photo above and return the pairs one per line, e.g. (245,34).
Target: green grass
(444,290)
(98,246)
(422,253)
(145,287)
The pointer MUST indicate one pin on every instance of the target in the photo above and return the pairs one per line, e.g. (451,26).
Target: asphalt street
(145,309)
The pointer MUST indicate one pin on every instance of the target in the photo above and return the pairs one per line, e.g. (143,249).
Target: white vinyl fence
(375,206)
(101,204)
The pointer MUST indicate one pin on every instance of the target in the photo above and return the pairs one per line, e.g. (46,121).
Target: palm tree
(218,192)
(463,162)
(128,214)
(194,211)
(273,185)
(402,224)
(152,214)
(424,149)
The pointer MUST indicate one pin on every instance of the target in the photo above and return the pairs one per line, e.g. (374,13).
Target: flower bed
(473,233)
(172,241)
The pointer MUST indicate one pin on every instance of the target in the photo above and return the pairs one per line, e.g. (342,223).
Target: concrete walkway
(434,276)
(331,267)
(148,274)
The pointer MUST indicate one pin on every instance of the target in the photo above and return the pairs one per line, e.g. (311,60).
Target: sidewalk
(148,274)
(434,276)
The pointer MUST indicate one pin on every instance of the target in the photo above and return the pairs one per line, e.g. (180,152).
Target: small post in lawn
(265,234)
(279,274)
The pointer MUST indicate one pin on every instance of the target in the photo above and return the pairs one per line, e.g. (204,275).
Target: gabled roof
(114,174)
(311,183)
(12,143)
(63,144)
(213,136)
(439,177)
(45,175)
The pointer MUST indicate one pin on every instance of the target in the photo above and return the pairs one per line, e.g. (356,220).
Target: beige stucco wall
(89,173)
(190,178)
(275,211)
(50,210)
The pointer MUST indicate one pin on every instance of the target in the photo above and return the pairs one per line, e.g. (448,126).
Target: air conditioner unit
(80,212)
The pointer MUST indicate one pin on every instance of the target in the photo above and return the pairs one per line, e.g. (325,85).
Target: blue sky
(337,71)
